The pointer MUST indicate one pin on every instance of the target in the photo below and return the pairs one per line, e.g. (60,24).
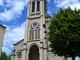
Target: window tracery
(34,31)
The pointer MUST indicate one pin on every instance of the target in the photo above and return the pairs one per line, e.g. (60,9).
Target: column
(41,51)
(36,6)
(41,6)
(12,57)
(27,57)
(29,10)
(45,51)
(24,52)
(45,54)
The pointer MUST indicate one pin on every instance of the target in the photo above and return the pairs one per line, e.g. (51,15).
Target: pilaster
(13,55)
(41,7)
(45,50)
(28,10)
(41,50)
(45,54)
(26,32)
(24,52)
(27,57)
(35,6)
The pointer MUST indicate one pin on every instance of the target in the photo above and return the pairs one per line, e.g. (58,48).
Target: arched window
(34,31)
(38,5)
(33,6)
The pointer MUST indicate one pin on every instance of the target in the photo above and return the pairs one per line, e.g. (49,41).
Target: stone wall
(2,31)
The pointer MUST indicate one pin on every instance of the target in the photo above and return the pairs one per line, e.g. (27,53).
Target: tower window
(33,6)
(34,32)
(38,5)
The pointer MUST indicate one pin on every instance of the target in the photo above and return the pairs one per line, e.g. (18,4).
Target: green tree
(64,33)
(9,57)
(3,56)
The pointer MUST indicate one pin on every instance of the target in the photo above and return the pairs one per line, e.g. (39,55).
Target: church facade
(35,45)
(2,32)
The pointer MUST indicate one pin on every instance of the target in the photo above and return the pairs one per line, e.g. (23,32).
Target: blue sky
(13,14)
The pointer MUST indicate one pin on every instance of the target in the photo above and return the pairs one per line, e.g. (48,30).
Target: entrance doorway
(34,53)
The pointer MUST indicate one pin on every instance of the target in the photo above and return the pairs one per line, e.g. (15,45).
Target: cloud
(49,11)
(77,5)
(12,9)
(66,3)
(77,58)
(1,2)
(6,50)
(13,35)
(48,1)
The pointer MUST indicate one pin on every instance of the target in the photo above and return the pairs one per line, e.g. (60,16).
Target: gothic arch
(34,31)
(33,52)
(32,45)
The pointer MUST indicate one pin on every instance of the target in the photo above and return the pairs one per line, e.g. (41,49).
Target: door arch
(34,53)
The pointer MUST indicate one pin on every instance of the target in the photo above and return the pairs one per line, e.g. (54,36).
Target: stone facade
(35,45)
(2,31)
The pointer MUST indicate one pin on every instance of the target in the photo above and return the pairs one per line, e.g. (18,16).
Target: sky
(13,14)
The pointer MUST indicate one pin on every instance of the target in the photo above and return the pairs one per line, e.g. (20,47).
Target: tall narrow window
(34,31)
(38,34)
(33,6)
(38,5)
(31,33)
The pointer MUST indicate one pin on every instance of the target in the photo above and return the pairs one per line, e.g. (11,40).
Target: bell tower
(36,16)
(35,45)
(36,8)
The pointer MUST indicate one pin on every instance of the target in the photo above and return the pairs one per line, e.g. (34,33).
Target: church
(35,45)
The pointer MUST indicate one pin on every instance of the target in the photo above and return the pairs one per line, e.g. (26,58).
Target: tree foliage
(9,57)
(64,33)
(3,56)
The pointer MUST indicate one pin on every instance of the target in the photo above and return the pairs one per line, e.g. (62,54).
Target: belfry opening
(34,53)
